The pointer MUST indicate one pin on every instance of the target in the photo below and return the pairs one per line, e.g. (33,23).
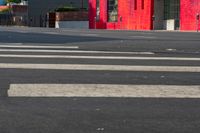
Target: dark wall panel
(38,9)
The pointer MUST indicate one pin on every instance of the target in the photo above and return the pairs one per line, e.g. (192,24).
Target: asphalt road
(160,72)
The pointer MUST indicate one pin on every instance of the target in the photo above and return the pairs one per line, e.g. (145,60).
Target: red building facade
(144,14)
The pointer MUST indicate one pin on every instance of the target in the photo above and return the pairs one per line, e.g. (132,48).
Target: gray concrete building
(38,9)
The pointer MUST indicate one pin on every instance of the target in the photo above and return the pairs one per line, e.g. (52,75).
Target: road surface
(97,81)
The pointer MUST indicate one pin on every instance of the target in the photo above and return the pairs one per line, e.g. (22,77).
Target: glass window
(171,9)
(97,10)
(112,10)
(142,4)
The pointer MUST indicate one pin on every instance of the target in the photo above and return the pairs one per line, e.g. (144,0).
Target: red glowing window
(135,4)
(142,4)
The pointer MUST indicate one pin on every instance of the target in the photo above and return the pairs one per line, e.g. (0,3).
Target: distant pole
(9,20)
(82,5)
(197,17)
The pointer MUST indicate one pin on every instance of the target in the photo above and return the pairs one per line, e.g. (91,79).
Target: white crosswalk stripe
(71,51)
(101,67)
(99,57)
(98,89)
(101,90)
(17,45)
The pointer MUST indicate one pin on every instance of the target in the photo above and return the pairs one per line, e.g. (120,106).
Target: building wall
(20,14)
(132,18)
(38,9)
(75,20)
(141,19)
(72,24)
(16,16)
(189,10)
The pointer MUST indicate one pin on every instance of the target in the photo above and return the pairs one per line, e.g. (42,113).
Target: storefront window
(171,9)
(97,10)
(112,10)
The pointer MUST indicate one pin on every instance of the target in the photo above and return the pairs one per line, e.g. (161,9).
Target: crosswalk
(68,71)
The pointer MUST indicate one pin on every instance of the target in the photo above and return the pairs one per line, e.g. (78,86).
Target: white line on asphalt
(100,57)
(52,33)
(5,44)
(144,37)
(20,31)
(101,67)
(73,51)
(34,46)
(93,35)
(103,90)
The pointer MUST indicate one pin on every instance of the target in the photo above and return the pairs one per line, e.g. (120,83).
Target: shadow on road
(4,86)
(17,37)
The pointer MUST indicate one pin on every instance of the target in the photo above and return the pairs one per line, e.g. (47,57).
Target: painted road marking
(103,90)
(88,35)
(99,57)
(144,37)
(37,46)
(73,51)
(101,67)
(52,33)
(11,44)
